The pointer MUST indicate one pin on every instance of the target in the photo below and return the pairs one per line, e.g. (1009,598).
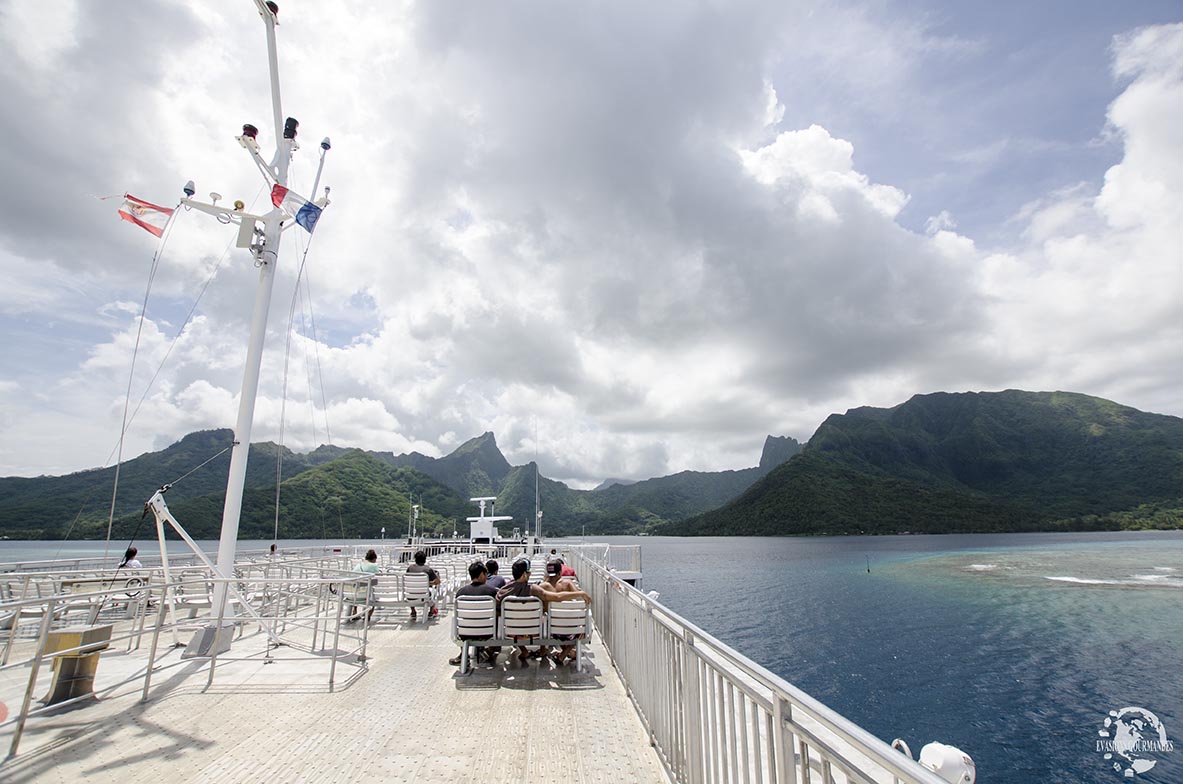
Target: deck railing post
(42,637)
(155,640)
(213,660)
(337,630)
(16,620)
(786,769)
(691,716)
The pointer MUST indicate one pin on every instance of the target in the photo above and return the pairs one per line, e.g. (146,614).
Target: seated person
(522,587)
(568,571)
(495,580)
(433,580)
(479,586)
(369,565)
(130,561)
(558,582)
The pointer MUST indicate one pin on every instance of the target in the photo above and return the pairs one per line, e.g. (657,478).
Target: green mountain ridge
(79,503)
(960,462)
(355,495)
(333,491)
(944,462)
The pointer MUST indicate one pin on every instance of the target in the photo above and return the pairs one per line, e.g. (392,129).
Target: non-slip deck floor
(408,717)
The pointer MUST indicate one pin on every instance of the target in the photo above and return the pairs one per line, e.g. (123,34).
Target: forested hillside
(335,492)
(1005,461)
(355,495)
(49,506)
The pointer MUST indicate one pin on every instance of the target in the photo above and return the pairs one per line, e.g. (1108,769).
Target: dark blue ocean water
(962,639)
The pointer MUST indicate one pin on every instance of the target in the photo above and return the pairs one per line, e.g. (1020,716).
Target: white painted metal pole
(228,542)
(268,258)
(273,63)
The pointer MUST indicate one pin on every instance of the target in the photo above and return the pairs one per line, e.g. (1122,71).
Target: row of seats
(522,621)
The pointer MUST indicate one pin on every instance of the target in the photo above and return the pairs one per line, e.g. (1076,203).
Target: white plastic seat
(194,593)
(475,618)
(359,594)
(569,618)
(386,592)
(521,618)
(417,593)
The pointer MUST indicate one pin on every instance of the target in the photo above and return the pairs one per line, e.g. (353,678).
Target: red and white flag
(305,212)
(149,217)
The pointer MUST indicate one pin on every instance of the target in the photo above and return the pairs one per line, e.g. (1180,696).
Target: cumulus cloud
(1092,300)
(588,229)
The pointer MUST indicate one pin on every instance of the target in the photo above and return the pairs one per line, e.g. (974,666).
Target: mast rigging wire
(189,317)
(129,419)
(201,465)
(324,405)
(132,371)
(300,278)
(307,367)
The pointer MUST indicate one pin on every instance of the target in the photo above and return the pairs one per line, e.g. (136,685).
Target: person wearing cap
(522,587)
(556,576)
(558,582)
(568,571)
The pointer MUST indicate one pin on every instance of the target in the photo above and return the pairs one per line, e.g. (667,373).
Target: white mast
(537,509)
(536,542)
(266,253)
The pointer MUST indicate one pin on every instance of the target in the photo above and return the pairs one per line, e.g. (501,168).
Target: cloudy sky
(630,238)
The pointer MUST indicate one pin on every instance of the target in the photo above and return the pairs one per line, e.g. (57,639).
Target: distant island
(938,463)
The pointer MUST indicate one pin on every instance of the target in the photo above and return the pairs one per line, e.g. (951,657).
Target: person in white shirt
(130,561)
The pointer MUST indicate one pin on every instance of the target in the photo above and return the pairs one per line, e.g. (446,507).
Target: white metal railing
(613,557)
(90,562)
(299,604)
(389,551)
(715,716)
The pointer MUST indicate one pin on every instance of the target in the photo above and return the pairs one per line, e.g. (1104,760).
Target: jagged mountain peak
(777,449)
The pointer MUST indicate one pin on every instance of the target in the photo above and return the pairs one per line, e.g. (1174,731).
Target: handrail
(714,715)
(614,557)
(351,549)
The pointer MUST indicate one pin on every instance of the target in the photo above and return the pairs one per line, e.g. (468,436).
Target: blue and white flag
(305,212)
